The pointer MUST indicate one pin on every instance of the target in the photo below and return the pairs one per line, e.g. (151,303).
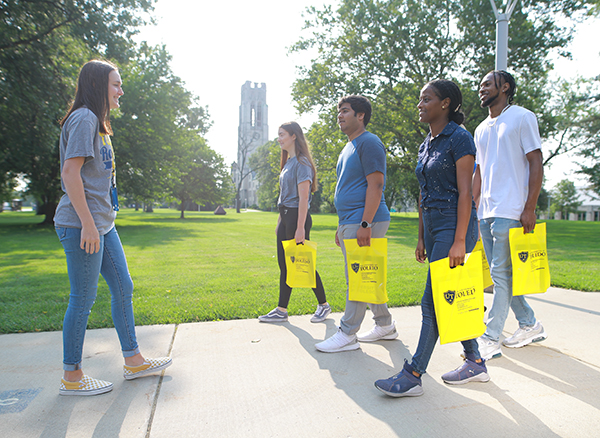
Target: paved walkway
(246,379)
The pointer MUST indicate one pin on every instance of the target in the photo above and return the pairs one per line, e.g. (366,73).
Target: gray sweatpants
(355,310)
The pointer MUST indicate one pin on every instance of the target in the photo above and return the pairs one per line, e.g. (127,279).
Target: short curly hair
(359,104)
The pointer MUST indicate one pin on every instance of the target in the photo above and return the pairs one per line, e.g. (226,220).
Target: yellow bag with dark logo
(458,298)
(487,276)
(301,263)
(529,256)
(367,271)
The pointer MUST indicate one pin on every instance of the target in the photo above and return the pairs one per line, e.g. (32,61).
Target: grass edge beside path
(209,267)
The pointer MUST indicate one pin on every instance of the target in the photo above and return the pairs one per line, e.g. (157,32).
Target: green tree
(265,161)
(589,129)
(576,112)
(542,202)
(7,185)
(326,142)
(153,127)
(202,176)
(43,45)
(565,198)
(388,49)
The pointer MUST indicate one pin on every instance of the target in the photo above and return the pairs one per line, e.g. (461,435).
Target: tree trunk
(49,210)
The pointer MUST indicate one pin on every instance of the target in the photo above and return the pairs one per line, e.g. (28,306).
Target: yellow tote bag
(487,277)
(458,298)
(301,263)
(367,271)
(529,256)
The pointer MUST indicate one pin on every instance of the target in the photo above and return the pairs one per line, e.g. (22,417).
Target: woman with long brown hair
(85,224)
(297,182)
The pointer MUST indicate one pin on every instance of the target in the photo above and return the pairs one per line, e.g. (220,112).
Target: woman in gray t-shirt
(297,180)
(85,224)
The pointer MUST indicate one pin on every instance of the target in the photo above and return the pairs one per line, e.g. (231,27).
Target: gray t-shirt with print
(293,173)
(81,137)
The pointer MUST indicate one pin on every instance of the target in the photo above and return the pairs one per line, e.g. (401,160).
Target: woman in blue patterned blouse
(447,226)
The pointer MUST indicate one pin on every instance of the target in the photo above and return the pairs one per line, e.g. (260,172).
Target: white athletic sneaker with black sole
(525,336)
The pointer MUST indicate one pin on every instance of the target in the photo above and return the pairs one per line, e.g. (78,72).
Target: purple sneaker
(403,384)
(469,371)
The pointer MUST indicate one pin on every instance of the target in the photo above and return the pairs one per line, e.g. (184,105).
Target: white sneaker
(378,333)
(338,342)
(489,349)
(526,335)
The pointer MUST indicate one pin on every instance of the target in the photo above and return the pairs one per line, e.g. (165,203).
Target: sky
(218,46)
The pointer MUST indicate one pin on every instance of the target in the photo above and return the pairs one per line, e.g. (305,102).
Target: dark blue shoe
(274,315)
(403,384)
(469,371)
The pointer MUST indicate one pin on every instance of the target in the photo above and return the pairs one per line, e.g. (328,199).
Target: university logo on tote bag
(458,298)
(301,263)
(487,277)
(367,271)
(529,256)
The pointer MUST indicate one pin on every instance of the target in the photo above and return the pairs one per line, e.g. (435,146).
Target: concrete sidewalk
(247,379)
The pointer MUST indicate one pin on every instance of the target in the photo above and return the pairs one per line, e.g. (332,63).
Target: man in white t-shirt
(506,186)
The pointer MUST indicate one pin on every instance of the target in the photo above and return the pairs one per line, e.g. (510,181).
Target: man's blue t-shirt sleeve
(371,157)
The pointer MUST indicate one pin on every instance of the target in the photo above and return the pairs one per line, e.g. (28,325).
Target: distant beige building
(589,210)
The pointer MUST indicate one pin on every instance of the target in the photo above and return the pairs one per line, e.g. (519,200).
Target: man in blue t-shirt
(362,213)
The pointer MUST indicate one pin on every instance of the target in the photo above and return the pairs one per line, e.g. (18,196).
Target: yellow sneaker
(86,386)
(148,367)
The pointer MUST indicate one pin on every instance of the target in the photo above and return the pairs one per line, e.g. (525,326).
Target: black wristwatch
(365,224)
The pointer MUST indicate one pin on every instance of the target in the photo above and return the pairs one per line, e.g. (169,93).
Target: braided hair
(503,75)
(443,89)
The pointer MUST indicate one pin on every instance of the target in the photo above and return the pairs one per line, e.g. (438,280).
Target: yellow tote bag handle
(458,298)
(529,256)
(367,271)
(487,277)
(301,263)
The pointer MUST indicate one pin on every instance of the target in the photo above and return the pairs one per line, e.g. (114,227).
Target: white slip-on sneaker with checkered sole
(148,367)
(86,386)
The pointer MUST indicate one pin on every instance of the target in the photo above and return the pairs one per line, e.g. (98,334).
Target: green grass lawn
(209,267)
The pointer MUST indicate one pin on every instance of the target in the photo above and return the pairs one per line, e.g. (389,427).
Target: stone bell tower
(253,131)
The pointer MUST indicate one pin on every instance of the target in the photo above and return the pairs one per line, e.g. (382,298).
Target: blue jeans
(439,229)
(84,270)
(494,234)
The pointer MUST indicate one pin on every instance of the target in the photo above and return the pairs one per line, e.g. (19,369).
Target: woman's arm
(464,180)
(420,254)
(71,176)
(303,191)
(477,186)
(278,222)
